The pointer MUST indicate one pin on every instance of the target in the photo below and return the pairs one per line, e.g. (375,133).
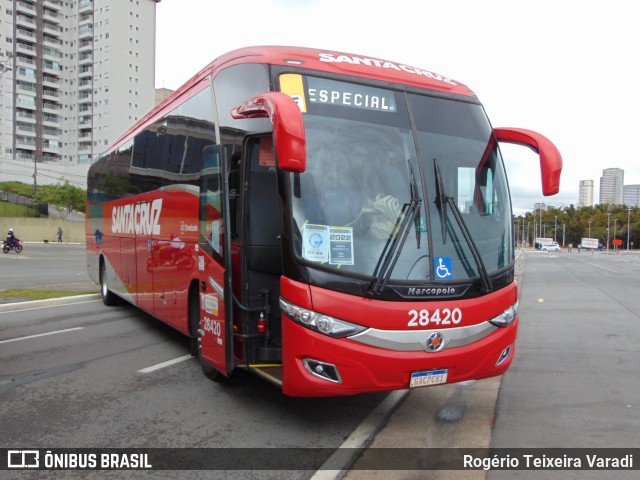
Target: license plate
(428,378)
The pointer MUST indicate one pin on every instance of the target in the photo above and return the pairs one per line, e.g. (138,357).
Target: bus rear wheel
(108,297)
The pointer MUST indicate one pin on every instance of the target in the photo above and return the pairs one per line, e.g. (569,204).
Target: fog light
(504,355)
(325,371)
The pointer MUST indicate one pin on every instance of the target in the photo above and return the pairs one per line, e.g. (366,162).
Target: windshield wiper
(441,203)
(415,196)
(392,248)
(441,200)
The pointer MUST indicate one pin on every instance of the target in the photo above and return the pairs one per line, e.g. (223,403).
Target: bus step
(271,373)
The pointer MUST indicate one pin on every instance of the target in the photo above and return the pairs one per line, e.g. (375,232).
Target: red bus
(335,223)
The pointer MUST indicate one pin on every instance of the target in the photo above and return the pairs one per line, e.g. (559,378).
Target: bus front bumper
(316,365)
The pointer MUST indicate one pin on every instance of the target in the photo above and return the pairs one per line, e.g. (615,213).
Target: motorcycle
(16,247)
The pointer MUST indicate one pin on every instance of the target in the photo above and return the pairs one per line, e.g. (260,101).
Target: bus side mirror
(550,158)
(288,127)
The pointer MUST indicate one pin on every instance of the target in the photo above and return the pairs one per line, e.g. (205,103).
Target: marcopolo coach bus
(335,223)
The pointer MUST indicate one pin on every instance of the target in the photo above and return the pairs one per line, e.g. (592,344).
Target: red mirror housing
(288,127)
(550,158)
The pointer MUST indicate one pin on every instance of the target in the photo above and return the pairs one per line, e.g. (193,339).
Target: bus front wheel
(209,372)
(194,320)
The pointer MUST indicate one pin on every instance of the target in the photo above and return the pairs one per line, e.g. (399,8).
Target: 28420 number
(424,317)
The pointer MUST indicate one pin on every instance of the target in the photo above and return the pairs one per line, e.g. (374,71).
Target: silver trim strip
(416,340)
(217,287)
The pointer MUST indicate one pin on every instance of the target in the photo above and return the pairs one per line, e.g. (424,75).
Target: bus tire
(193,315)
(108,297)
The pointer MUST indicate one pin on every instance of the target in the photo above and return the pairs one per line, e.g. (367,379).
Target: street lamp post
(555,227)
(628,226)
(608,227)
(541,229)
(615,227)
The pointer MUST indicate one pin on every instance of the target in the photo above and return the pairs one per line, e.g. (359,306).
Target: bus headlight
(507,317)
(318,322)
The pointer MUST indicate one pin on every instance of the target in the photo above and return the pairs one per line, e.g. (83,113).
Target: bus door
(261,257)
(215,333)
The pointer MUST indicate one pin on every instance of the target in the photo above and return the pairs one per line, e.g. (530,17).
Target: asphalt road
(46,265)
(575,380)
(84,384)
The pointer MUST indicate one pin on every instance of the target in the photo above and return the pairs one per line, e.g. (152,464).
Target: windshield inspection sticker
(341,246)
(315,242)
(325,244)
(443,267)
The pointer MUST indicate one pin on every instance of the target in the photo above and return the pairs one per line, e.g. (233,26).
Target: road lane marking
(53,302)
(17,339)
(168,363)
(600,266)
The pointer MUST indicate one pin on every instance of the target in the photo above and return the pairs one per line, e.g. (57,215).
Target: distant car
(551,247)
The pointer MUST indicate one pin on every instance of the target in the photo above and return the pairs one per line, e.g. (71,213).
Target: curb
(51,302)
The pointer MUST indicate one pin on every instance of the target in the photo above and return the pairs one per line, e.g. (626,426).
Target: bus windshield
(402,185)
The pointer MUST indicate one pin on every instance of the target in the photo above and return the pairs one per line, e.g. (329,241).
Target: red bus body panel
(150,242)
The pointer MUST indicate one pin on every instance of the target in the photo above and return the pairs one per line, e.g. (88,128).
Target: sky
(568,69)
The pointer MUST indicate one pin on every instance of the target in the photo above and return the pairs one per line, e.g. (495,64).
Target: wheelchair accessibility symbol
(443,268)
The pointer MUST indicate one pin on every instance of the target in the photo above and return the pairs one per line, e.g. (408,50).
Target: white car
(551,247)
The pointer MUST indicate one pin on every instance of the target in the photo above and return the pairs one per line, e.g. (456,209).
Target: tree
(65,198)
(578,223)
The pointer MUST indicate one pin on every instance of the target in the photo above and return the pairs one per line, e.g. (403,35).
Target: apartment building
(585,193)
(631,195)
(74,75)
(611,186)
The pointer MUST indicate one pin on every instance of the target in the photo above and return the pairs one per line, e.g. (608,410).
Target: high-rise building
(77,74)
(611,184)
(631,195)
(585,193)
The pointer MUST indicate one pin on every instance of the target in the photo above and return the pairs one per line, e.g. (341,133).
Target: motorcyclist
(11,238)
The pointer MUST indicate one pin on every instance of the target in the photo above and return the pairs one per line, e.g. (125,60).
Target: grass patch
(39,294)
(13,210)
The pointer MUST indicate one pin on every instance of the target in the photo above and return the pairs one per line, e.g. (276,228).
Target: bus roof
(320,60)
